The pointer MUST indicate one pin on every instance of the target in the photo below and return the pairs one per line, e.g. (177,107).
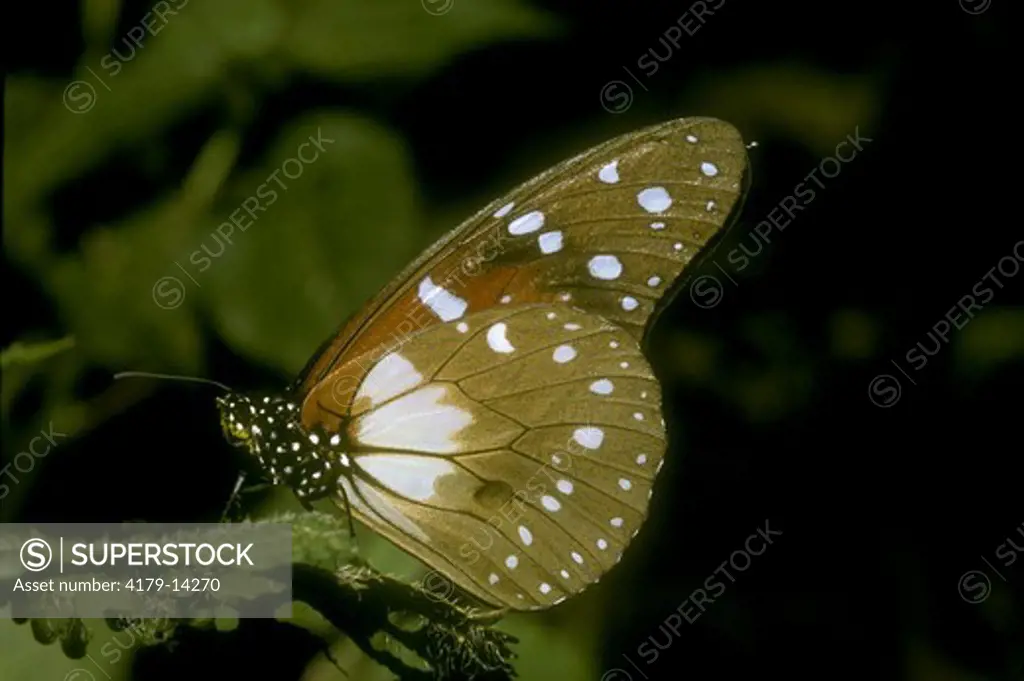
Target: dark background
(882,509)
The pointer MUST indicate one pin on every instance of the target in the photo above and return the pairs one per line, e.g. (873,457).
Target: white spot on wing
(589,437)
(692,139)
(545,588)
(625,484)
(657,225)
(389,378)
(616,522)
(525,224)
(511,562)
(641,459)
(654,199)
(411,476)
(610,173)
(602,387)
(550,242)
(578,558)
(563,354)
(462,327)
(497,340)
(492,578)
(441,302)
(418,421)
(505,210)
(525,535)
(550,503)
(654,281)
(602,544)
(564,486)
(709,169)
(605,267)
(629,303)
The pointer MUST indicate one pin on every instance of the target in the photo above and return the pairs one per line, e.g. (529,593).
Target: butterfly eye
(233,429)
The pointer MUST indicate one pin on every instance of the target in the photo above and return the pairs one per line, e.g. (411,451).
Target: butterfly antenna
(171,377)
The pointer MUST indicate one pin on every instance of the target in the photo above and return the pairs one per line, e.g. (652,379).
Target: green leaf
(371,38)
(30,353)
(316,245)
(124,298)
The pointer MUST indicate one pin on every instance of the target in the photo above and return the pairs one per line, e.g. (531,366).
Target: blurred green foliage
(343,223)
(342,227)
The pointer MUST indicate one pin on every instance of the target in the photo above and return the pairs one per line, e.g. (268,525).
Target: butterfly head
(252,420)
(268,427)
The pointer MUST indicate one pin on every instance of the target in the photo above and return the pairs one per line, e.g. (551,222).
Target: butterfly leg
(348,515)
(356,558)
(224,517)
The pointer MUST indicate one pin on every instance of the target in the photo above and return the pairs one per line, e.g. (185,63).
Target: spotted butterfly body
(491,411)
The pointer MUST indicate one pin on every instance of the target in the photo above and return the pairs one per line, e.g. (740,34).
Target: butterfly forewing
(521,464)
(607,231)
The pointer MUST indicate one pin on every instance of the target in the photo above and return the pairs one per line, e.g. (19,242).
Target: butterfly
(491,411)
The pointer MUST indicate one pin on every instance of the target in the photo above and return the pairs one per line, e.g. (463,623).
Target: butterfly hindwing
(513,450)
